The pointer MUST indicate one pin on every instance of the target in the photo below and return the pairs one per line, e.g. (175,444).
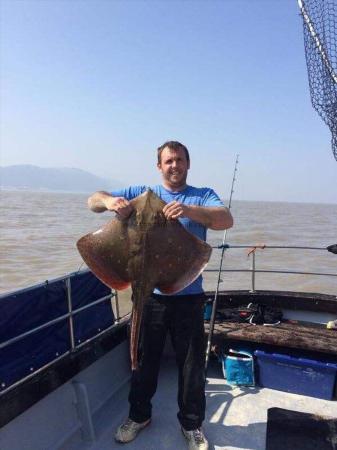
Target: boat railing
(72,311)
(114,294)
(253,270)
(69,316)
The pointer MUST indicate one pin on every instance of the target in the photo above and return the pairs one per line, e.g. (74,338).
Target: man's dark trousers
(183,318)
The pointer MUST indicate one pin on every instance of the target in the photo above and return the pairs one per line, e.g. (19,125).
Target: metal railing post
(70,312)
(117,306)
(253,272)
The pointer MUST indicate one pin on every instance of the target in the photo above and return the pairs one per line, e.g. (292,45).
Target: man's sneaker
(196,439)
(128,431)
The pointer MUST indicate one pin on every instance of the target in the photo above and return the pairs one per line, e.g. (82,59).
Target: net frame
(320,43)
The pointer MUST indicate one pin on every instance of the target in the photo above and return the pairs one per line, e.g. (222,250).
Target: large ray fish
(145,251)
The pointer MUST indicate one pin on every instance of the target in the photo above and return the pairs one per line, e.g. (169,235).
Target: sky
(99,85)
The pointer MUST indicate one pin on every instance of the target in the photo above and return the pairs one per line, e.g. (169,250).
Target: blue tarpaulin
(27,309)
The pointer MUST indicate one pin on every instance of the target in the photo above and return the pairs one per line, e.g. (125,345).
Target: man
(181,314)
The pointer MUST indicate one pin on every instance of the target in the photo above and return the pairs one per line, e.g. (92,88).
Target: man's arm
(103,201)
(215,218)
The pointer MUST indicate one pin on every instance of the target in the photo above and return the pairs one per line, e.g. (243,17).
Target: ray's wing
(176,257)
(106,253)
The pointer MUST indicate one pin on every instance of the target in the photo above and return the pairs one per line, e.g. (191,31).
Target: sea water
(39,230)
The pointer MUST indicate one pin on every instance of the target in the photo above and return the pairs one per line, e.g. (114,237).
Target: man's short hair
(172,145)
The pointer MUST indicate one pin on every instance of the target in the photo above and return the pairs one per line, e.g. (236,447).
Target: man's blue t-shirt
(189,196)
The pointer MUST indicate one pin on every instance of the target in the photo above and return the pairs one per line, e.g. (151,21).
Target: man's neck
(172,188)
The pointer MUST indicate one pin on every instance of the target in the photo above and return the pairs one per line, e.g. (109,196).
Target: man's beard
(180,181)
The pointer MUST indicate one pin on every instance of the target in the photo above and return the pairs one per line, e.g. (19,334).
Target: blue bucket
(208,311)
(238,368)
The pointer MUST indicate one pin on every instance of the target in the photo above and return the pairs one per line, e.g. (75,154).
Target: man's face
(173,167)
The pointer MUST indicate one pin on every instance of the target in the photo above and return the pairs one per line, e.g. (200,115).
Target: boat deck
(235,417)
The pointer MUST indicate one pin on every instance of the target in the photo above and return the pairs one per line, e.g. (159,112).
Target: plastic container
(238,368)
(208,311)
(296,375)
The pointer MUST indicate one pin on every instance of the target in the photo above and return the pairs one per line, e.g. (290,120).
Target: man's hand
(175,210)
(120,205)
(103,201)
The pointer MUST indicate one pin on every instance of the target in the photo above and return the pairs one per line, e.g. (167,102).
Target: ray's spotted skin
(144,250)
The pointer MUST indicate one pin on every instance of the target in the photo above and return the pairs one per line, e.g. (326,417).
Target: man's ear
(159,166)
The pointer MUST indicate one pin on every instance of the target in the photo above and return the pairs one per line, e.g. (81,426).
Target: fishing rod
(223,248)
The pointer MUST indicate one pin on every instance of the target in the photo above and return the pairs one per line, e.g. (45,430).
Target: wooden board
(295,335)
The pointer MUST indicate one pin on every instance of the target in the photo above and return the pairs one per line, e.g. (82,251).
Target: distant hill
(56,179)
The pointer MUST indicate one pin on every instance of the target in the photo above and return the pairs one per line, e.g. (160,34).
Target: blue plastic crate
(296,375)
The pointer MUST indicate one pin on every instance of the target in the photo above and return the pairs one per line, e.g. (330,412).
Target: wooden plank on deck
(295,335)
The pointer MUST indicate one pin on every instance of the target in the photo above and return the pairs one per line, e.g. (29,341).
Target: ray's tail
(139,300)
(136,321)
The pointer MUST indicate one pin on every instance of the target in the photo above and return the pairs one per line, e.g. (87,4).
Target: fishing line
(80,267)
(223,248)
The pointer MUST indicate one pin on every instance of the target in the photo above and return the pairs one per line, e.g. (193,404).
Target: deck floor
(235,419)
